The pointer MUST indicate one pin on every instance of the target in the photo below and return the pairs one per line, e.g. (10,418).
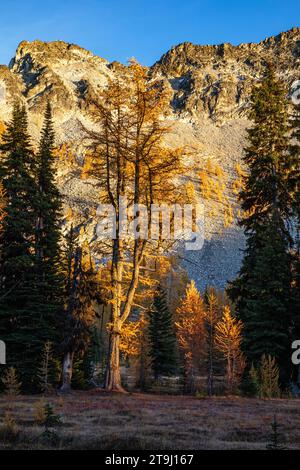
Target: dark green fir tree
(162,336)
(262,291)
(294,187)
(28,305)
(47,302)
(17,327)
(48,202)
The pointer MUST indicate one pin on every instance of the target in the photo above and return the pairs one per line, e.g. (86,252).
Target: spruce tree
(17,327)
(47,296)
(28,308)
(262,290)
(294,187)
(3,202)
(294,155)
(48,202)
(46,301)
(162,336)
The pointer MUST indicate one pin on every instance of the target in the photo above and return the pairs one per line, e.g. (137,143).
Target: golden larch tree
(130,160)
(191,334)
(228,342)
(211,319)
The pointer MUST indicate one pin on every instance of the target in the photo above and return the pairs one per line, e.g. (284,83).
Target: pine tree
(48,200)
(47,287)
(18,328)
(262,289)
(294,187)
(29,297)
(294,155)
(162,336)
(3,203)
(253,381)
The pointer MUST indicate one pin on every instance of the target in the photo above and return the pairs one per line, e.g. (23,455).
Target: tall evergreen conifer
(262,290)
(48,284)
(294,187)
(162,336)
(48,205)
(17,327)
(29,299)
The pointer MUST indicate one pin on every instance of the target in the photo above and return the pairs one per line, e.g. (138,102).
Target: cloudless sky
(120,29)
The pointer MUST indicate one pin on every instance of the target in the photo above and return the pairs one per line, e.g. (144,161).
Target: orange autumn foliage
(213,184)
(130,158)
(2,129)
(65,155)
(228,341)
(191,332)
(130,343)
(87,166)
(238,183)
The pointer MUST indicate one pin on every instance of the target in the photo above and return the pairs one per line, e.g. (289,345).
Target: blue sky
(120,29)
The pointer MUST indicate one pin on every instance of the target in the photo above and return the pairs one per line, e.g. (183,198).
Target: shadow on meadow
(96,420)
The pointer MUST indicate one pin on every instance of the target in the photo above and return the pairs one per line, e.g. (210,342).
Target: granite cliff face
(210,87)
(217,80)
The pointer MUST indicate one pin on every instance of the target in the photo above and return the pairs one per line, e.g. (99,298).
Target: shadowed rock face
(210,88)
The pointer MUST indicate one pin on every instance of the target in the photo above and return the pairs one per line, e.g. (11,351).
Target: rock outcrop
(210,87)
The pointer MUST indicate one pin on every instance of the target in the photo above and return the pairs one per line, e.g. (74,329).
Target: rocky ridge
(210,87)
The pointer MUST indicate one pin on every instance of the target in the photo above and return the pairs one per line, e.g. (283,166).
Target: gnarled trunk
(67,370)
(113,372)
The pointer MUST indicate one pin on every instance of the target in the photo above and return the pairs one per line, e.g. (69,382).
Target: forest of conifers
(129,318)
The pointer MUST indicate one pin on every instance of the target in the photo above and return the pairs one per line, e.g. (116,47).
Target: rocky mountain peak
(191,55)
(217,80)
(55,71)
(210,87)
(48,52)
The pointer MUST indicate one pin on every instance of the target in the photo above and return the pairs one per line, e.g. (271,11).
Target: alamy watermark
(2,352)
(2,93)
(296,354)
(159,222)
(295,92)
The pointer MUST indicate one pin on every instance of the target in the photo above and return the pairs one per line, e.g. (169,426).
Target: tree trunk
(113,373)
(67,371)
(210,382)
(119,315)
(210,376)
(298,377)
(229,374)
(141,383)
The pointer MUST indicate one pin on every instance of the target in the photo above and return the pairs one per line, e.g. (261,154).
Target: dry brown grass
(96,420)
